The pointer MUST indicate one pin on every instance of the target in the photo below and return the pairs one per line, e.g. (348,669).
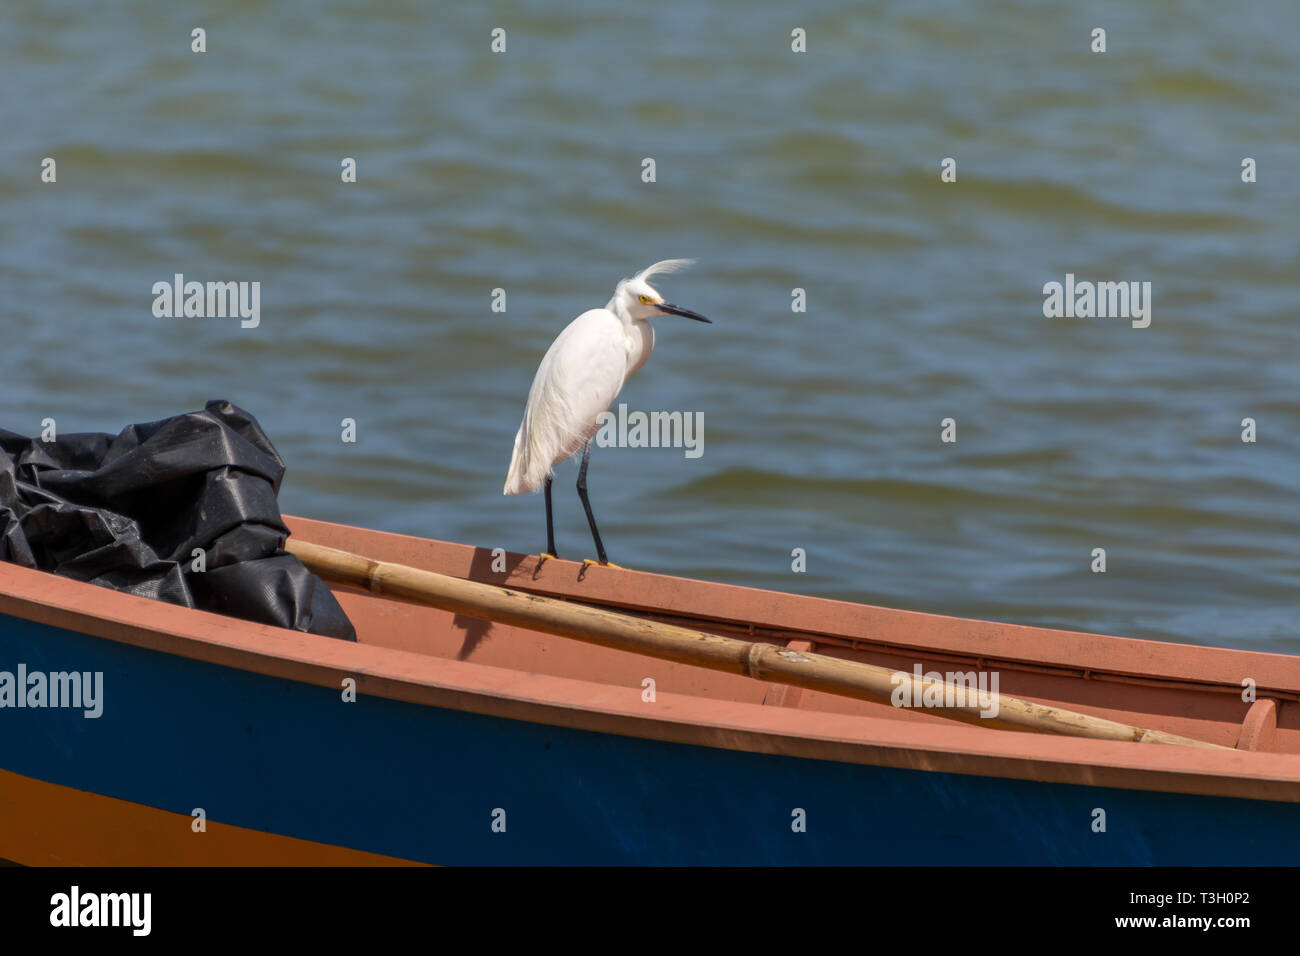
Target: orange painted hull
(43,824)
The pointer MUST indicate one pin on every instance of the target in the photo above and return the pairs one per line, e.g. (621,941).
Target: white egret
(580,376)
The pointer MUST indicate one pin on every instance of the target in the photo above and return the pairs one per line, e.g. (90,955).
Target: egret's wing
(579,377)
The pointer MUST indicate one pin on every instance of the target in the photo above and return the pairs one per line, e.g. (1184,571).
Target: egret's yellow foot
(588,562)
(544,555)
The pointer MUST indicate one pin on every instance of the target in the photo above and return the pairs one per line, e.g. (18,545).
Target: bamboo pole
(766,662)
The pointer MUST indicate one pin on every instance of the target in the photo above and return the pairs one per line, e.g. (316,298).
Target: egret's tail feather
(515,481)
(527,471)
(538,451)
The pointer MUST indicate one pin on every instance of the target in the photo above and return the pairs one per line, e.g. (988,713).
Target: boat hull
(287,771)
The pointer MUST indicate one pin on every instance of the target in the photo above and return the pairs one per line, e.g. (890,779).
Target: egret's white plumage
(581,375)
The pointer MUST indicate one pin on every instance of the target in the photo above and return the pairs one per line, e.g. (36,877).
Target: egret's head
(639,300)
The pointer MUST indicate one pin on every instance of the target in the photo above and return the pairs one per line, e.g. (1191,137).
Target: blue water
(776,170)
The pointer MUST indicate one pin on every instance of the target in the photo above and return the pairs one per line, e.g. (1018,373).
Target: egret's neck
(618,306)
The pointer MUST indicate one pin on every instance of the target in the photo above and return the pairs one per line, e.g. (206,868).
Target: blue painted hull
(422,783)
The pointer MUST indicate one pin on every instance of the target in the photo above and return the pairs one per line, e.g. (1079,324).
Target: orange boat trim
(44,824)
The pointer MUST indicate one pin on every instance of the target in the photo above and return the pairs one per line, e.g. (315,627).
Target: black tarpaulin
(128,513)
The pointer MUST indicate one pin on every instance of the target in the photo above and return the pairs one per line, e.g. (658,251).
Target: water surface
(775,170)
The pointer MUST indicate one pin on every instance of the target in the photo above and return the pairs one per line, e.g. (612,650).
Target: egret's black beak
(684,313)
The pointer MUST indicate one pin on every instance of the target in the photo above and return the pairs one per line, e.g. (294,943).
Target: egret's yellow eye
(645,299)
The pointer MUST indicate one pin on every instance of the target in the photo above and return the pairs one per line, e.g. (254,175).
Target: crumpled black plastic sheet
(127,513)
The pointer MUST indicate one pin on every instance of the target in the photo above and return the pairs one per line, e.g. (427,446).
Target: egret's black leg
(582,493)
(550,525)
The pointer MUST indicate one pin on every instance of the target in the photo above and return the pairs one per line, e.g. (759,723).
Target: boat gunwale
(1080,654)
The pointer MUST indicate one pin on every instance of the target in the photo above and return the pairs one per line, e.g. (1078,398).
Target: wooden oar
(669,642)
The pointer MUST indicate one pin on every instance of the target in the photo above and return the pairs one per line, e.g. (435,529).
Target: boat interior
(1199,692)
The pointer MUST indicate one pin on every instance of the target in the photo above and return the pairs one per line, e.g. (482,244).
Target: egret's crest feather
(659,268)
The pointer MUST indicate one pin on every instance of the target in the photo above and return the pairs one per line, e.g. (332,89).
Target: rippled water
(776,170)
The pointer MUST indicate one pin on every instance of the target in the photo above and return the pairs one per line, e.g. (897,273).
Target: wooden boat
(226,742)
